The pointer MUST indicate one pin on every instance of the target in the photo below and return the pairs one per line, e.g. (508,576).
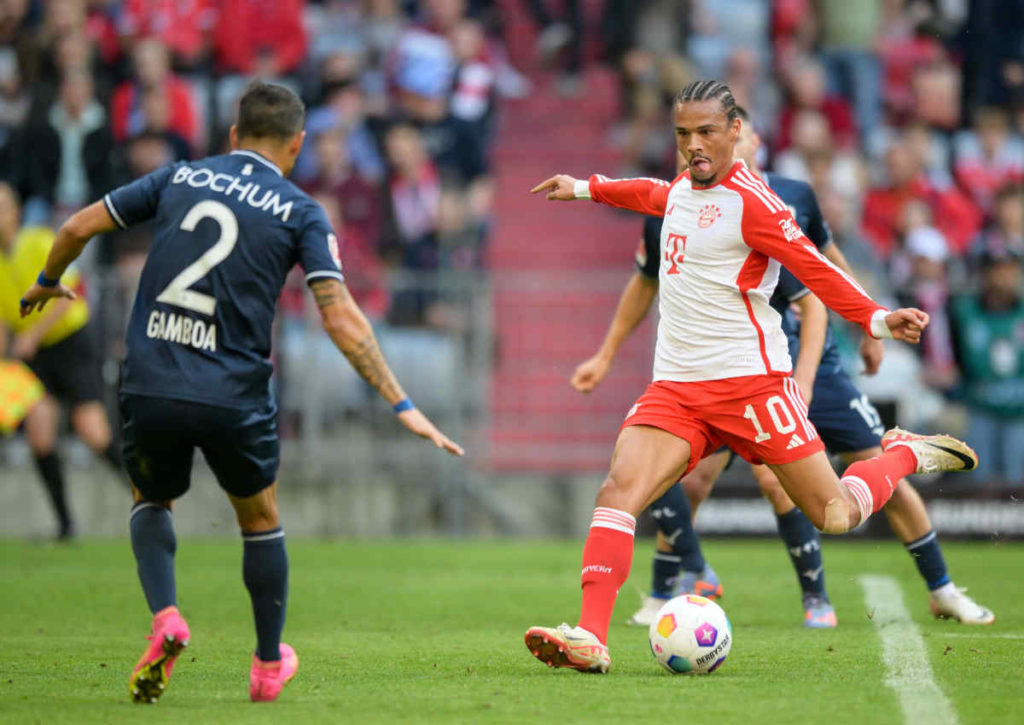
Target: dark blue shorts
(161,435)
(844,417)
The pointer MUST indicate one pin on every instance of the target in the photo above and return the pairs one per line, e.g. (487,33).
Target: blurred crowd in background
(905,115)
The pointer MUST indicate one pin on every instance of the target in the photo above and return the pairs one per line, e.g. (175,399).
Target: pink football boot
(267,679)
(170,636)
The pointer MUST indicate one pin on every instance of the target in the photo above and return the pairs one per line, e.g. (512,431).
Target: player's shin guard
(154,545)
(873,481)
(672,515)
(607,557)
(265,571)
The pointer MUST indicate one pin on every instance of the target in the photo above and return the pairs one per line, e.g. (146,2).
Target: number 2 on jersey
(675,250)
(177,293)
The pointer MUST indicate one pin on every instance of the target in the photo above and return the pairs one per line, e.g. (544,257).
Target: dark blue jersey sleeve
(789,289)
(815,227)
(648,251)
(318,250)
(136,202)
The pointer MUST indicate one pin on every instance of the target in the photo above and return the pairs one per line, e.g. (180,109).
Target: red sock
(872,481)
(607,556)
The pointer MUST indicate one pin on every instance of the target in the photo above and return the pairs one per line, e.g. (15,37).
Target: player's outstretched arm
(636,300)
(647,196)
(351,332)
(71,239)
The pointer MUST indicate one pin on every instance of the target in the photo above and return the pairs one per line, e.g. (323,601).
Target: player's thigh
(699,482)
(89,421)
(812,484)
(771,488)
(158,445)
(645,462)
(242,448)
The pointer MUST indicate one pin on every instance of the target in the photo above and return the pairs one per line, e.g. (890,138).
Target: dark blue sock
(265,571)
(664,573)
(804,546)
(154,544)
(671,514)
(928,557)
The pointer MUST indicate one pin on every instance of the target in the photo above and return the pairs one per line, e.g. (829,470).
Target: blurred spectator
(988,156)
(883,213)
(1005,234)
(414,200)
(927,288)
(185,27)
(358,200)
(905,46)
(814,158)
(807,91)
(936,95)
(169,96)
(988,329)
(256,37)
(423,66)
(848,37)
(994,56)
(14,107)
(561,40)
(66,159)
(343,109)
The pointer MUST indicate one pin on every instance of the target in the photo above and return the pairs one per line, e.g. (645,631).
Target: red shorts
(761,417)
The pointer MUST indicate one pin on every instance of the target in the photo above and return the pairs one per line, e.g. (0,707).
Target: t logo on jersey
(707,216)
(332,244)
(675,248)
(789,229)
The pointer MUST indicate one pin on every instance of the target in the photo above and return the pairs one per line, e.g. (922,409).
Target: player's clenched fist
(590,373)
(907,324)
(560,187)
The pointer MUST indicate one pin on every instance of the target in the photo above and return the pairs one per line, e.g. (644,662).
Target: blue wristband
(403,405)
(43,281)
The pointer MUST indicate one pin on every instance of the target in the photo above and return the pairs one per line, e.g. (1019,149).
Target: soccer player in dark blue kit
(197,370)
(842,415)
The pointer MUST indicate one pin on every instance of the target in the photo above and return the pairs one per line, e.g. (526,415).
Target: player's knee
(838,517)
(698,485)
(90,423)
(618,492)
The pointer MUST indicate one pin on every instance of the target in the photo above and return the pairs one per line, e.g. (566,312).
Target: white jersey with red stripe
(721,249)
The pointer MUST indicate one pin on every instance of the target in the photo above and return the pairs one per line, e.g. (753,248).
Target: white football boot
(935,453)
(950,602)
(565,646)
(645,614)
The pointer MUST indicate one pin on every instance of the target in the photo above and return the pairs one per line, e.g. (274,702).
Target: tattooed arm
(351,332)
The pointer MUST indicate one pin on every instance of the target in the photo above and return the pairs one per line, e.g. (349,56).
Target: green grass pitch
(430,631)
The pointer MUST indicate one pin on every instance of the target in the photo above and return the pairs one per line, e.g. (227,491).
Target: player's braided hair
(707,90)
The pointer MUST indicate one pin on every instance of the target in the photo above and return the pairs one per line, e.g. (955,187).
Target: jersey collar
(259,157)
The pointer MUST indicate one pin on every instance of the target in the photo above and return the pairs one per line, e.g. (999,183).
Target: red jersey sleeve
(647,196)
(769,227)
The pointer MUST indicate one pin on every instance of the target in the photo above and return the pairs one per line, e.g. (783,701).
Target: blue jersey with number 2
(227,231)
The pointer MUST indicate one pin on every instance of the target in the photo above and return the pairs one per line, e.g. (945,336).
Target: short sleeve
(318,250)
(648,251)
(137,202)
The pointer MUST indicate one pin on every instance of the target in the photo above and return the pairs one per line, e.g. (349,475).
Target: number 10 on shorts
(781,416)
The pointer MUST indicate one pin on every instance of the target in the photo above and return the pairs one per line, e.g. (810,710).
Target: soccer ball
(690,634)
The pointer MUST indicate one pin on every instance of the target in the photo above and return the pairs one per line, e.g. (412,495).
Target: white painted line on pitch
(907,669)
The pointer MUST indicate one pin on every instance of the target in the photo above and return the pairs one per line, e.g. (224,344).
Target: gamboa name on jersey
(183,330)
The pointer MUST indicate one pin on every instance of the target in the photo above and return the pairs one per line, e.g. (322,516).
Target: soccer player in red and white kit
(722,365)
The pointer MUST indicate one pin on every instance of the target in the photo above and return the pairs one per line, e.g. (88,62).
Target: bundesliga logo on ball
(690,634)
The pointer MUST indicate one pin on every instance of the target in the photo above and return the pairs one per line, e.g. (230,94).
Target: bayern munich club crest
(708,215)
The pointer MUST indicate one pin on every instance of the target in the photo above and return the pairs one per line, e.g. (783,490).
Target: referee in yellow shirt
(59,347)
